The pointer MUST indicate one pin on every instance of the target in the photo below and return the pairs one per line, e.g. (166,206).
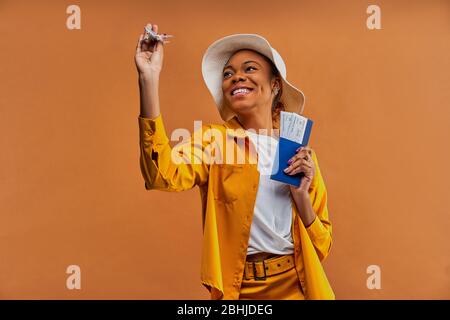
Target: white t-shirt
(272,219)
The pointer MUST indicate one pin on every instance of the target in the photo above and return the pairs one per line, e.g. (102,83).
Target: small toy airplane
(152,35)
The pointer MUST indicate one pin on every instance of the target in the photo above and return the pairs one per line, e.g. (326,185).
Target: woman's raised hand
(149,54)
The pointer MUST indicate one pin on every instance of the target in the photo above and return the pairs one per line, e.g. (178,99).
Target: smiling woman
(262,239)
(263,80)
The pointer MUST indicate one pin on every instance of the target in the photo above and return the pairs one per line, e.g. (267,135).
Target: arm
(313,211)
(157,159)
(149,95)
(157,164)
(149,59)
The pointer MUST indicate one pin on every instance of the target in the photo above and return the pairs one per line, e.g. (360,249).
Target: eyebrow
(229,66)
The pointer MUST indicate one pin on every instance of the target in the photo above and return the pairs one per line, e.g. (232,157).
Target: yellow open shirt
(228,194)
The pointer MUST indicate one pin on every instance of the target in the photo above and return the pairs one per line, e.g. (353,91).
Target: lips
(240,91)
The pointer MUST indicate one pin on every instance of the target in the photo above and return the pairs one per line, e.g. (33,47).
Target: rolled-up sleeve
(158,168)
(320,230)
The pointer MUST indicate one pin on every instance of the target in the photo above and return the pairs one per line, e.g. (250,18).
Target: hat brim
(219,52)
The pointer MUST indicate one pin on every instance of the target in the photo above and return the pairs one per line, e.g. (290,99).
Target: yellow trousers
(282,286)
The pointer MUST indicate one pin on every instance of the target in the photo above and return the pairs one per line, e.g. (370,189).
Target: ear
(276,83)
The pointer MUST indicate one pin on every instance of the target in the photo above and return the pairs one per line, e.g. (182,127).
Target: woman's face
(248,69)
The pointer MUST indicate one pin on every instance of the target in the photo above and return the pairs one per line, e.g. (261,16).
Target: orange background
(71,191)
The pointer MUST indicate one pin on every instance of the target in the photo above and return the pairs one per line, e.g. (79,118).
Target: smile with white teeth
(240,91)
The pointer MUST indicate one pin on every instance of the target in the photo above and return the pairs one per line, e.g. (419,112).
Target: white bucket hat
(219,53)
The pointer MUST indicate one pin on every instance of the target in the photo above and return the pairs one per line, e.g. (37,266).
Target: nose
(237,77)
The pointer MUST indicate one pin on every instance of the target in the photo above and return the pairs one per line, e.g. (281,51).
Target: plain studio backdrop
(71,191)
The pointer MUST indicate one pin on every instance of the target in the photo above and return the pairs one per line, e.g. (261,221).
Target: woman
(261,239)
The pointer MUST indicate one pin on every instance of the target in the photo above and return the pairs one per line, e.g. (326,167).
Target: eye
(225,73)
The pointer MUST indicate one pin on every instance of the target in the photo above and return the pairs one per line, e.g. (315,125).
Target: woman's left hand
(302,162)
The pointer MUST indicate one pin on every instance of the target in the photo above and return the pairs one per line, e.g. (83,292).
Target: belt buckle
(254,272)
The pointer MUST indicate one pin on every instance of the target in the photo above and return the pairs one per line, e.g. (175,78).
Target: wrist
(301,195)
(146,77)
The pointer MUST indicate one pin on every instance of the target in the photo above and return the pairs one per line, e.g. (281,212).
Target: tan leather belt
(268,267)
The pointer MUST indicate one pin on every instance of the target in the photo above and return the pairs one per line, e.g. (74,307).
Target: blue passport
(286,150)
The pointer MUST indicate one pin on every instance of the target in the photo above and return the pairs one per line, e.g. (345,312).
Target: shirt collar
(234,128)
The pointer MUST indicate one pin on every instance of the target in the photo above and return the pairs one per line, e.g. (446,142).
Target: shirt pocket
(226,182)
